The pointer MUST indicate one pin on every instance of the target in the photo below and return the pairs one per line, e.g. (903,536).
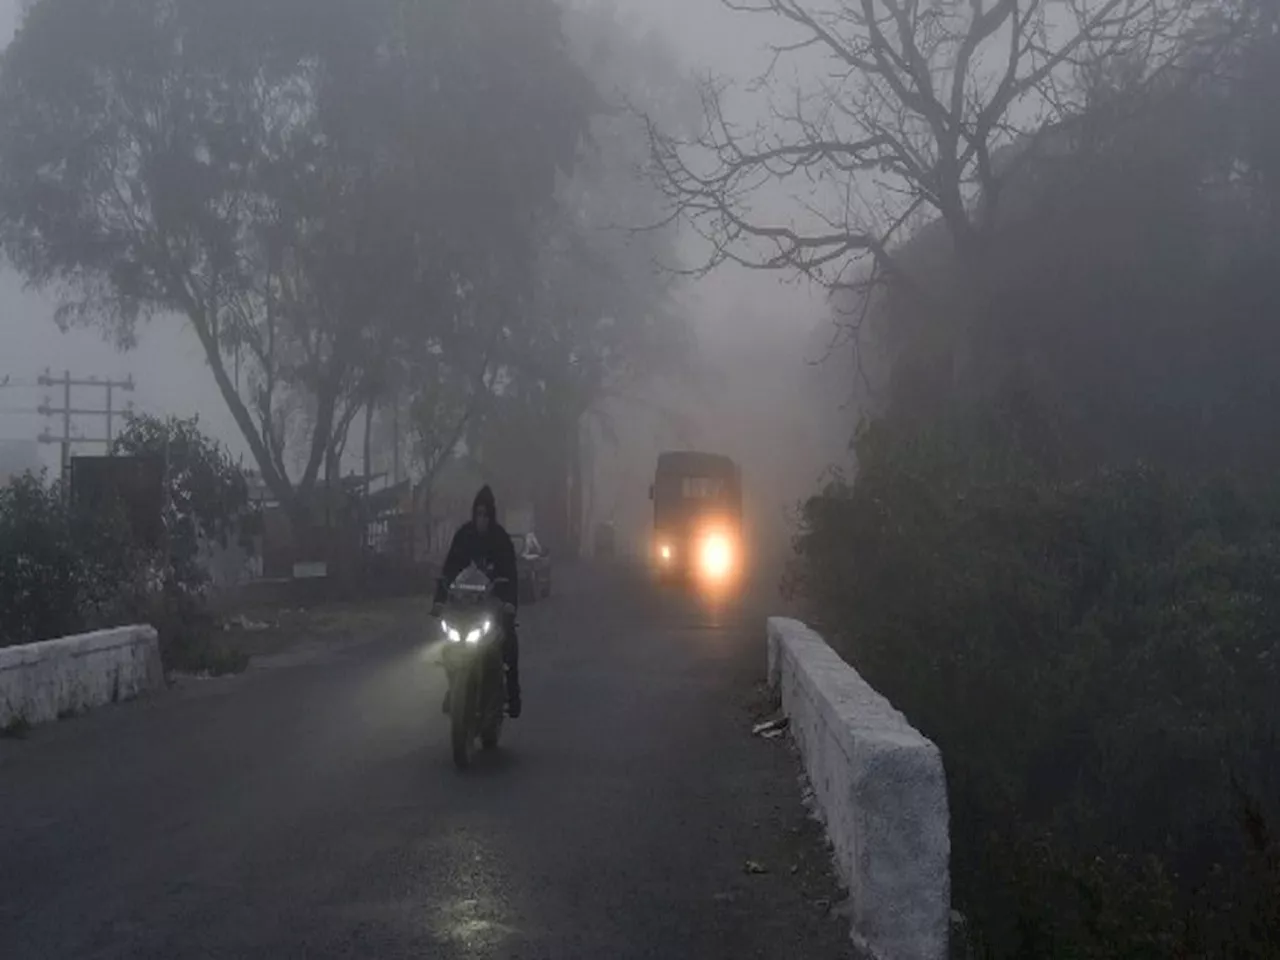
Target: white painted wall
(40,682)
(880,790)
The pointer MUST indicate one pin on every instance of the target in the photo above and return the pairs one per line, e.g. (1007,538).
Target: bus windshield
(702,488)
(689,486)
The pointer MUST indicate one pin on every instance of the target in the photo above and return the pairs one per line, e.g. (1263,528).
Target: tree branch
(884,112)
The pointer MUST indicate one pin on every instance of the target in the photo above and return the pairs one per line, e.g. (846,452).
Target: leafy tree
(206,506)
(308,185)
(599,313)
(504,90)
(1095,658)
(62,571)
(1087,636)
(445,405)
(206,494)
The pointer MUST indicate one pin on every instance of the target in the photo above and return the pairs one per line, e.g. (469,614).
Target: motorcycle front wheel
(495,706)
(462,717)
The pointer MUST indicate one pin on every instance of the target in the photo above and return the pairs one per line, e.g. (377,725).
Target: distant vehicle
(697,517)
(533,562)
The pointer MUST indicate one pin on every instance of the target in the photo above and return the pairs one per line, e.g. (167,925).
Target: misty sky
(168,365)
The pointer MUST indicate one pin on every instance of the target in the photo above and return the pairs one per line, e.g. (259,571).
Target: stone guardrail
(880,790)
(44,681)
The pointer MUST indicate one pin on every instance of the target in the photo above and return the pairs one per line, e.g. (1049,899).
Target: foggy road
(310,807)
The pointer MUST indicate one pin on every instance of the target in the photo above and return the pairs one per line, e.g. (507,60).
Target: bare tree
(906,118)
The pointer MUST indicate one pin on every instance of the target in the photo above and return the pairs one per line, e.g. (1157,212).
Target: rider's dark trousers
(511,654)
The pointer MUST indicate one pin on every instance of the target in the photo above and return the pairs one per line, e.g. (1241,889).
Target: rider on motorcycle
(484,542)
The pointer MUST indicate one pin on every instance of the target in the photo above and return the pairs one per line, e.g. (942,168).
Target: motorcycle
(472,624)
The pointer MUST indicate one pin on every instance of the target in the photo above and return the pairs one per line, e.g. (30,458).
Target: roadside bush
(1097,660)
(62,571)
(207,504)
(188,632)
(207,500)
(65,570)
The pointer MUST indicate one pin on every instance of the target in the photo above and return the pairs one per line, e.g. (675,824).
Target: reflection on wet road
(310,808)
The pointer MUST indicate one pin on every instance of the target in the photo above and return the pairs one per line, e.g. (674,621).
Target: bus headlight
(716,556)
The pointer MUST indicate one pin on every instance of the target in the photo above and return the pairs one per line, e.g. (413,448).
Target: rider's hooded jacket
(491,551)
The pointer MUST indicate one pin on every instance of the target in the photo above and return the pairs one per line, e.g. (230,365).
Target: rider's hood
(486,499)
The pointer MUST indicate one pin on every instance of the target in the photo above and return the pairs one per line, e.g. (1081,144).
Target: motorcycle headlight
(450,632)
(480,632)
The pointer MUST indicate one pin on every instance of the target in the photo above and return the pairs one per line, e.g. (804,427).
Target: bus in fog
(697,517)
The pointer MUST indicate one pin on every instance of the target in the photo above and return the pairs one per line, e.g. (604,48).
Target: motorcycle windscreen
(472,580)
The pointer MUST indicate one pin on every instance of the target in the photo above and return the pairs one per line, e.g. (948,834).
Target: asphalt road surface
(309,808)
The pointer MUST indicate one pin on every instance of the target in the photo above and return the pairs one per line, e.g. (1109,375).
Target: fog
(168,365)
(755,331)
(409,249)
(761,335)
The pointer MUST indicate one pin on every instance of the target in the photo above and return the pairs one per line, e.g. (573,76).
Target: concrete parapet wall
(40,682)
(880,790)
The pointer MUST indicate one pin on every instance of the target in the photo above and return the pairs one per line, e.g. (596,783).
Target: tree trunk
(395,438)
(368,445)
(590,515)
(551,505)
(574,498)
(428,523)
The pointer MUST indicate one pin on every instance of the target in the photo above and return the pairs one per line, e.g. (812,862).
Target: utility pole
(67,411)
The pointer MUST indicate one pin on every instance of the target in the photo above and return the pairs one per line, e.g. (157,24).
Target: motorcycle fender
(456,661)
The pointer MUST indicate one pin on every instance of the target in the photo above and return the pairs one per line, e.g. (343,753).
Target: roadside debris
(771,729)
(177,677)
(752,867)
(242,622)
(835,908)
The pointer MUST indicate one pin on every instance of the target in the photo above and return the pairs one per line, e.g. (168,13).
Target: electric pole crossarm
(108,411)
(46,380)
